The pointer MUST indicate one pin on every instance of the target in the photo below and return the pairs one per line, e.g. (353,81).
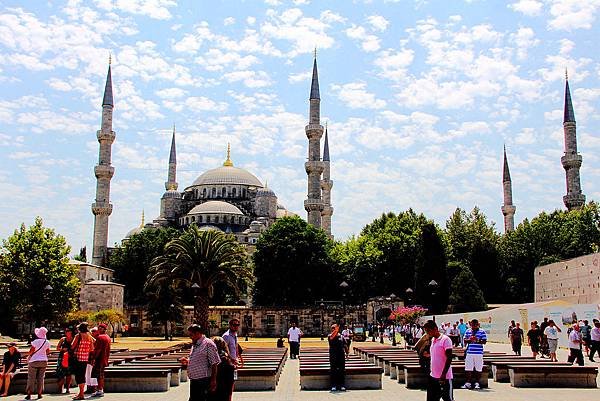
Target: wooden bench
(499,368)
(416,378)
(534,375)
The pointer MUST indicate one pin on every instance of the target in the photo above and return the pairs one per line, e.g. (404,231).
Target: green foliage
(108,316)
(81,256)
(292,265)
(164,304)
(33,258)
(393,253)
(547,238)
(465,294)
(473,242)
(131,261)
(204,258)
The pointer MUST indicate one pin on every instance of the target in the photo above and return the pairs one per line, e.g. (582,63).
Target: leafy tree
(201,259)
(109,316)
(39,283)
(82,257)
(465,294)
(164,305)
(474,242)
(75,317)
(131,260)
(292,265)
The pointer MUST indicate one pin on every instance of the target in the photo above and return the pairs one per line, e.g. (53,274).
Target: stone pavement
(289,390)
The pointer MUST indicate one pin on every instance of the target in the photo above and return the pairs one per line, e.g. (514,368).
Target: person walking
(575,342)
(462,329)
(551,334)
(534,338)
(11,362)
(586,336)
(511,327)
(83,347)
(63,366)
(294,334)
(225,371)
(337,359)
(202,365)
(100,358)
(347,336)
(595,340)
(439,385)
(454,334)
(544,347)
(517,339)
(234,349)
(475,338)
(37,362)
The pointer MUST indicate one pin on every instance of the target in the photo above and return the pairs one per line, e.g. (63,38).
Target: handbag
(64,362)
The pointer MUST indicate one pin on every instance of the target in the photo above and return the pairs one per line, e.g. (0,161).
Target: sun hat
(41,332)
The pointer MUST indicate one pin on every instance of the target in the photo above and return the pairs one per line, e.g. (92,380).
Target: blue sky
(419,97)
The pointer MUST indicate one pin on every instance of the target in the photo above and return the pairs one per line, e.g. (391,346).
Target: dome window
(214,192)
(233,193)
(199,219)
(204,192)
(223,192)
(217,219)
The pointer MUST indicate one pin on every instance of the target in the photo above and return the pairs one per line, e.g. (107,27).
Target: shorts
(79,371)
(552,345)
(473,362)
(535,347)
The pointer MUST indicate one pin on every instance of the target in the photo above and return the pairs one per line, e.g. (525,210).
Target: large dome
(215,207)
(228,175)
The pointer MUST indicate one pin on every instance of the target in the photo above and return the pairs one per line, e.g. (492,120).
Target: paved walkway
(289,390)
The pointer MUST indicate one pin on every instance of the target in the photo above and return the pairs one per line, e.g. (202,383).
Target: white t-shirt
(346,333)
(575,339)
(294,334)
(41,345)
(596,334)
(551,332)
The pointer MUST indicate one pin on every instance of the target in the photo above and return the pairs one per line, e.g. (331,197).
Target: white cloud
(252,79)
(530,8)
(369,43)
(378,22)
(394,63)
(356,96)
(156,9)
(573,14)
(217,60)
(300,76)
(229,21)
(171,93)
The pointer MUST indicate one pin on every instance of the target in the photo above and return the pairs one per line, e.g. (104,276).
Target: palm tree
(200,259)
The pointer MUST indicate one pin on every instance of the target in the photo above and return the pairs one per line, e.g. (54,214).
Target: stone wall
(97,295)
(575,280)
(89,272)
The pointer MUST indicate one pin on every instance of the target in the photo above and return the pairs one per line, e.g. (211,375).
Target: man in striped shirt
(201,365)
(475,338)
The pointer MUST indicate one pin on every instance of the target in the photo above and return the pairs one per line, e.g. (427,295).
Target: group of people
(543,339)
(213,362)
(84,354)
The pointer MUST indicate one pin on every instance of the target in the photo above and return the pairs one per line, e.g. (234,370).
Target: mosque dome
(133,232)
(215,207)
(227,174)
(266,191)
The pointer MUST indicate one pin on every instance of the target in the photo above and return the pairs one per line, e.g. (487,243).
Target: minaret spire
(326,185)
(228,162)
(571,161)
(171,184)
(102,208)
(314,166)
(508,209)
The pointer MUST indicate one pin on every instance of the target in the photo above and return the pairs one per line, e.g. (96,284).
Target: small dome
(134,231)
(228,175)
(265,192)
(209,227)
(215,207)
(172,194)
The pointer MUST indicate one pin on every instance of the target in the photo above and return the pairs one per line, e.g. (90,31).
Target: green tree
(474,242)
(81,256)
(465,294)
(201,259)
(164,305)
(131,260)
(113,317)
(292,265)
(39,283)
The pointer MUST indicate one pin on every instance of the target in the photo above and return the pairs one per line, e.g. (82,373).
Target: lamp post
(344,287)
(373,326)
(392,299)
(322,307)
(171,313)
(48,301)
(433,287)
(195,289)
(247,324)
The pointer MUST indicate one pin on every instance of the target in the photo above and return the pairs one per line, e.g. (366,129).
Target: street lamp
(322,307)
(393,298)
(195,289)
(246,323)
(344,287)
(172,312)
(433,287)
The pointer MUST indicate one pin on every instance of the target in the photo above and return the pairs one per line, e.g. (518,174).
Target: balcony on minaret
(313,166)
(508,210)
(314,131)
(574,201)
(104,171)
(106,136)
(102,208)
(571,160)
(314,204)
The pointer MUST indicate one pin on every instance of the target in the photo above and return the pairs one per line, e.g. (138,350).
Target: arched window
(217,219)
(233,194)
(223,192)
(214,192)
(204,192)
(193,219)
(199,219)
(243,192)
(187,220)
(239,220)
(232,219)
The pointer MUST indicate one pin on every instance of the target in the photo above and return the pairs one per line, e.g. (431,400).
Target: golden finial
(228,162)
(142,225)
(566,74)
(109,58)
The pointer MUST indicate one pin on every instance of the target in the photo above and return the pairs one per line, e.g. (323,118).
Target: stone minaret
(102,207)
(326,185)
(314,166)
(171,184)
(508,209)
(170,202)
(571,161)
